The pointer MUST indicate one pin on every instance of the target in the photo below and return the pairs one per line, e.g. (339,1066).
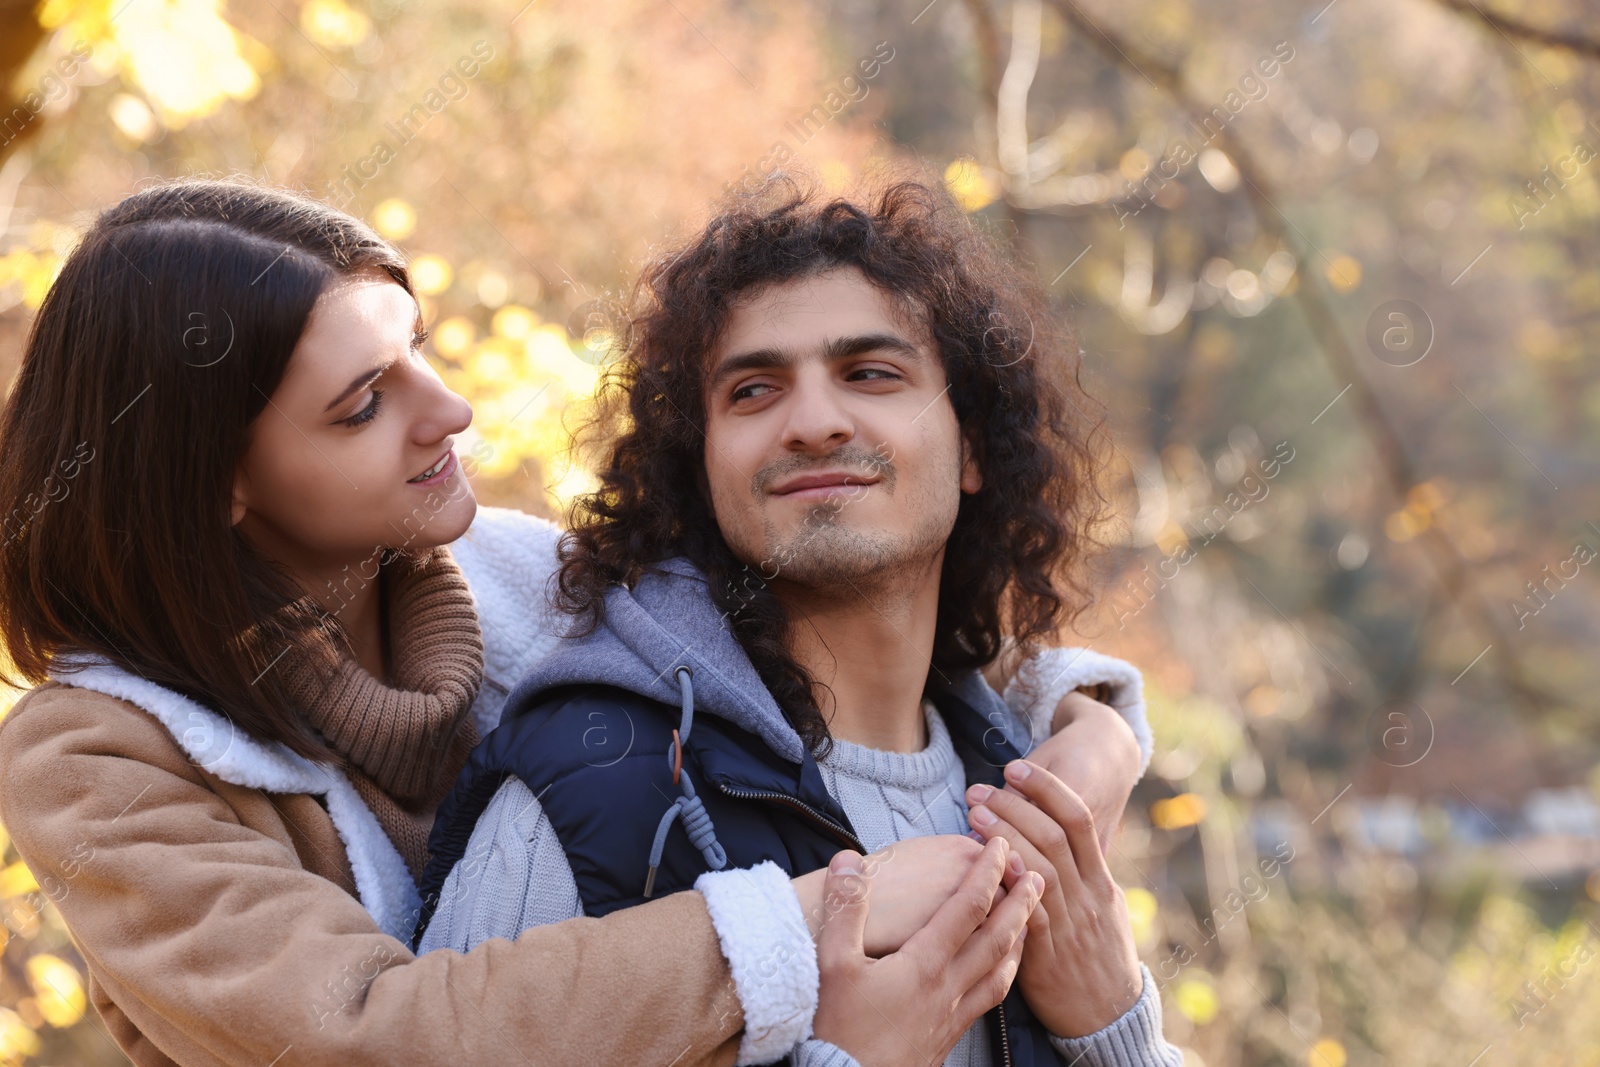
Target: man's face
(833,454)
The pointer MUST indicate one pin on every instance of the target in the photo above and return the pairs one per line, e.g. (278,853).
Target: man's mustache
(870,463)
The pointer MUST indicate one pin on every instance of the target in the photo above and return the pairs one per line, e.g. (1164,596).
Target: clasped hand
(1079,971)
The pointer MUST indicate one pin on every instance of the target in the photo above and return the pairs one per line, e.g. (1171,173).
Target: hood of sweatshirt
(669,620)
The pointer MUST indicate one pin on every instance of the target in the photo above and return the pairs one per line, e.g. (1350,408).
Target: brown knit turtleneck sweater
(406,739)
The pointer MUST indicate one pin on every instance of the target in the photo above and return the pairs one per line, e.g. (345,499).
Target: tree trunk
(20,35)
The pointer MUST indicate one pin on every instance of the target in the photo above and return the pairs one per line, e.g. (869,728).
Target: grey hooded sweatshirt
(514,874)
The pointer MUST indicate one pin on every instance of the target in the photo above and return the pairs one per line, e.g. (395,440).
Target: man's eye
(745,392)
(880,373)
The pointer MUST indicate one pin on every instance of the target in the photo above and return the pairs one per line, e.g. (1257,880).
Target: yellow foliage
(1326,1053)
(57,988)
(182,54)
(431,275)
(334,24)
(17,1040)
(971,186)
(33,271)
(16,880)
(1142,915)
(454,336)
(1185,809)
(395,219)
(1344,273)
(514,321)
(1196,1000)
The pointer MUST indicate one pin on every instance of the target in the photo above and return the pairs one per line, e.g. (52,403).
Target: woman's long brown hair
(168,329)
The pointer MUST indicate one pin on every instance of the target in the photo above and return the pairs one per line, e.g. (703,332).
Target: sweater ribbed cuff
(818,1053)
(770,955)
(1132,1041)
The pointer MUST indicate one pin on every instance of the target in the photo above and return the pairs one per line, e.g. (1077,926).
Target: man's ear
(971,475)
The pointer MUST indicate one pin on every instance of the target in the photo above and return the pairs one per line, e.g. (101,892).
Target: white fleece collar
(383,882)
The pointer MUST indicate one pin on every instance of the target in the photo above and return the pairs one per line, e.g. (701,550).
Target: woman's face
(353,452)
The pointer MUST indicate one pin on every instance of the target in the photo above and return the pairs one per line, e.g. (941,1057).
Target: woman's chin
(440,520)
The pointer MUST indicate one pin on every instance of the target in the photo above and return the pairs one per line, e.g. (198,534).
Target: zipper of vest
(1005,1036)
(791,802)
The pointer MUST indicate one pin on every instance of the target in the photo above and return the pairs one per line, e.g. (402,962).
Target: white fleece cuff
(1051,673)
(770,953)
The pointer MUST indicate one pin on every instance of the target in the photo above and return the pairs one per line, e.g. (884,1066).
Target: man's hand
(912,1006)
(1092,750)
(1080,971)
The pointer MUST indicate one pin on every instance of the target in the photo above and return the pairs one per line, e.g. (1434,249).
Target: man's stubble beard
(829,558)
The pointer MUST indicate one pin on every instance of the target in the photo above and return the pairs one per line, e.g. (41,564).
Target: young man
(845,465)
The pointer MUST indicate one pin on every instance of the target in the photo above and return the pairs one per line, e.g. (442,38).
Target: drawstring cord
(689,808)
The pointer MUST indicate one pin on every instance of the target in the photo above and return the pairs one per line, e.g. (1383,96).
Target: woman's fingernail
(1016,864)
(1017,771)
(982,817)
(977,794)
(1038,881)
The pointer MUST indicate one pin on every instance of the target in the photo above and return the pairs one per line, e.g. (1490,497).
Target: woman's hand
(1080,972)
(912,1006)
(1094,751)
(910,880)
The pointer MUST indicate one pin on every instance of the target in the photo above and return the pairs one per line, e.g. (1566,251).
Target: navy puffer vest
(601,761)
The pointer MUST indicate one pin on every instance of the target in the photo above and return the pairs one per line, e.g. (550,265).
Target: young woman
(228,478)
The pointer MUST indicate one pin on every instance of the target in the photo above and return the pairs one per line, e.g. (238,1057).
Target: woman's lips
(444,472)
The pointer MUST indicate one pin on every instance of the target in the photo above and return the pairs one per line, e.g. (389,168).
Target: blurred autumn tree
(1333,269)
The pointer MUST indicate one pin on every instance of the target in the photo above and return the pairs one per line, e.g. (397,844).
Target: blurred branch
(1011,100)
(1451,566)
(1570,42)
(988,32)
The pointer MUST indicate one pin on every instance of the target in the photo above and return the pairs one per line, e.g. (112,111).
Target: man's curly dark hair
(1012,561)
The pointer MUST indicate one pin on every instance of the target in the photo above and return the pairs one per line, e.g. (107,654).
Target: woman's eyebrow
(361,380)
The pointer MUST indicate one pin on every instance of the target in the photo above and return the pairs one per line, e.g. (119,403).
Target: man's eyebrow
(837,348)
(756,359)
(363,379)
(844,347)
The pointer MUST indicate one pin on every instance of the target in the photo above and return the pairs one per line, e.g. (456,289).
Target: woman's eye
(368,413)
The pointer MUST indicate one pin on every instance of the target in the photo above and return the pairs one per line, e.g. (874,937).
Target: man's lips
(821,484)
